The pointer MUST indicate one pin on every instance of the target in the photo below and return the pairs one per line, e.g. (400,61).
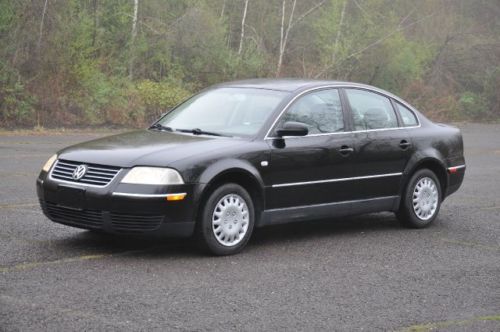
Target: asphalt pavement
(349,274)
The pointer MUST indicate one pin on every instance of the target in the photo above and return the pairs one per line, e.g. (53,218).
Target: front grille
(97,175)
(135,223)
(80,218)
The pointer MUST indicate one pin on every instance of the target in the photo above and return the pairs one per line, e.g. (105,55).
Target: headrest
(375,118)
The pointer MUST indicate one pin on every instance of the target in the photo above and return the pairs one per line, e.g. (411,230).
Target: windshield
(226,111)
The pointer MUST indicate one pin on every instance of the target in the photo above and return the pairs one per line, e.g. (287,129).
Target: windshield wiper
(198,131)
(159,126)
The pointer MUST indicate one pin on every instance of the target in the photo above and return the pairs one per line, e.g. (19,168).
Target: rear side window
(408,117)
(321,111)
(371,110)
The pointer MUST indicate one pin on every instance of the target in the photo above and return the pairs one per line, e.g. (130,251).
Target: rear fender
(428,158)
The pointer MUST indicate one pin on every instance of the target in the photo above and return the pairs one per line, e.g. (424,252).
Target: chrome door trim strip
(290,184)
(342,132)
(116,193)
(339,86)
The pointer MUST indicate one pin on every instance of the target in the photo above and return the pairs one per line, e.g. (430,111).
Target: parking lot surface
(360,273)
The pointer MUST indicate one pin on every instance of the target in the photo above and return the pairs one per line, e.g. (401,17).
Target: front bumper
(119,208)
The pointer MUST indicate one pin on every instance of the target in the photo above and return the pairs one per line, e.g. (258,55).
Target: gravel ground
(362,273)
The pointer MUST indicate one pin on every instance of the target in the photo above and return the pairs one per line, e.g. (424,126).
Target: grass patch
(41,131)
(438,325)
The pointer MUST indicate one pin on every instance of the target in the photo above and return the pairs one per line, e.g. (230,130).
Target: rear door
(303,169)
(383,148)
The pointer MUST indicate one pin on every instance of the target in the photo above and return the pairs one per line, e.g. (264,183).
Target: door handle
(345,150)
(404,144)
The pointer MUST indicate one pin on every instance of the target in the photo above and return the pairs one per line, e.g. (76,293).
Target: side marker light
(176,197)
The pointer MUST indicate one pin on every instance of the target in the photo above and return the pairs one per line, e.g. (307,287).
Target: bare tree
(284,35)
(132,37)
(400,27)
(94,31)
(339,31)
(44,11)
(243,27)
(223,9)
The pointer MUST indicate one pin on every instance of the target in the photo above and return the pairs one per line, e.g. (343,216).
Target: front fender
(225,167)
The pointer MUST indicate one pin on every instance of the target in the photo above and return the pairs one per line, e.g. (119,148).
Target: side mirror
(291,128)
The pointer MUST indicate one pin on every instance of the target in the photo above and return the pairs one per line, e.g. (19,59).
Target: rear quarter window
(407,116)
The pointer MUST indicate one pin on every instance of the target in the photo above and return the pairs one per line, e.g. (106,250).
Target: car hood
(144,147)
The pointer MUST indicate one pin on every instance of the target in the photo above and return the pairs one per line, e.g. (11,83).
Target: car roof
(286,84)
(296,85)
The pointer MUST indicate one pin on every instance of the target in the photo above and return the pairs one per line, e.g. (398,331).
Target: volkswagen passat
(252,153)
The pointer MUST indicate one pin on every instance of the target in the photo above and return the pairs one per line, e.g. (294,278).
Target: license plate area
(71,197)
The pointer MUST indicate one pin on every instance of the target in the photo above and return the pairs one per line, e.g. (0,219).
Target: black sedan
(253,153)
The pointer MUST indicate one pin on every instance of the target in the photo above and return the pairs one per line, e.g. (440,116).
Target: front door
(309,170)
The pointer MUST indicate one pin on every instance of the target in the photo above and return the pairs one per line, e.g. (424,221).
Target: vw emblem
(79,172)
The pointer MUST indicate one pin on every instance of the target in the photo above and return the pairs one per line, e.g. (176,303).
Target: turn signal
(176,197)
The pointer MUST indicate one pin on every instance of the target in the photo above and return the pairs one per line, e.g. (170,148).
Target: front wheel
(421,200)
(227,220)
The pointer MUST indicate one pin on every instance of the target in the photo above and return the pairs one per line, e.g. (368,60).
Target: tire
(423,187)
(226,221)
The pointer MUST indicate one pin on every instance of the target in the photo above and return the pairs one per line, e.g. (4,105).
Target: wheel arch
(434,164)
(241,173)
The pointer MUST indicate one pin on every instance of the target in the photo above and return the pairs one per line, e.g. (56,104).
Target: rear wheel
(227,220)
(421,200)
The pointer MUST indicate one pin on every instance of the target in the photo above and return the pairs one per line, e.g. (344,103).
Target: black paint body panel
(295,185)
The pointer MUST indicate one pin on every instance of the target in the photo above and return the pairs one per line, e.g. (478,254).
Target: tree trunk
(243,27)
(94,32)
(223,9)
(132,38)
(291,23)
(44,11)
(280,56)
(284,34)
(339,32)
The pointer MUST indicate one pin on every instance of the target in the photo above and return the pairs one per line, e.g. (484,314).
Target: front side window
(229,111)
(320,111)
(371,110)
(407,116)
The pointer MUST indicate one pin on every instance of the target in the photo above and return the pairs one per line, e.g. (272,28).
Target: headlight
(49,163)
(153,175)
